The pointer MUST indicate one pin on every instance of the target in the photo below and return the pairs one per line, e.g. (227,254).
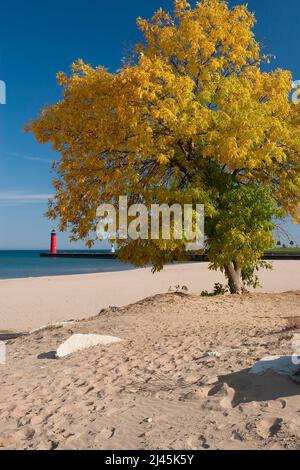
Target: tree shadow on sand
(47,355)
(259,388)
(7,335)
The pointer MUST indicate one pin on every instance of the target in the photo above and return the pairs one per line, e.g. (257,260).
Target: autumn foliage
(190,117)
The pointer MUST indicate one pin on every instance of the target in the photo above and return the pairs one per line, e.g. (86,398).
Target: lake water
(20,264)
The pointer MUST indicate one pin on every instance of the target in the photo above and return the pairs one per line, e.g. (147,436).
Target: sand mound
(157,389)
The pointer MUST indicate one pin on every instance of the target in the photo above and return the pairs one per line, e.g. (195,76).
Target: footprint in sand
(197,443)
(237,435)
(269,426)
(103,436)
(277,405)
(226,393)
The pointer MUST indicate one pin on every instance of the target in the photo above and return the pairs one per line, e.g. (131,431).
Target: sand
(26,304)
(157,389)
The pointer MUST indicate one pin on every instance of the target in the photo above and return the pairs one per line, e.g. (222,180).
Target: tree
(191,117)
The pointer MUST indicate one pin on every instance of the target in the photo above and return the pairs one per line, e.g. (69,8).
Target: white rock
(283,365)
(80,341)
(295,343)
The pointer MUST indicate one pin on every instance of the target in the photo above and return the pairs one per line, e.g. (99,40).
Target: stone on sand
(79,341)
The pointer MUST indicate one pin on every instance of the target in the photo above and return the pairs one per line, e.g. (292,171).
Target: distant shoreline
(19,264)
(30,303)
(27,264)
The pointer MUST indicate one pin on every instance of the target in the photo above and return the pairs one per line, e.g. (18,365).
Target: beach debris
(212,354)
(282,365)
(79,341)
(177,289)
(146,420)
(233,350)
(219,353)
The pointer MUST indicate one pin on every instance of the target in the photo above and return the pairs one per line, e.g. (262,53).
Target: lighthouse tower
(53,246)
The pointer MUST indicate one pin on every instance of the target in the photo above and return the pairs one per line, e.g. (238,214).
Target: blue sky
(37,39)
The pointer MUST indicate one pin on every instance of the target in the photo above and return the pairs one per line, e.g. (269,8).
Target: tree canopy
(192,116)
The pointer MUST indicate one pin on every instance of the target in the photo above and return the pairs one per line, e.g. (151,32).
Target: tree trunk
(233,274)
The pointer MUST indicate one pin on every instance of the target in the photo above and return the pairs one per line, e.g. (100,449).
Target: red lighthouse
(53,247)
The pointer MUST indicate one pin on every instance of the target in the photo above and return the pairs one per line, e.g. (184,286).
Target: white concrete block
(78,342)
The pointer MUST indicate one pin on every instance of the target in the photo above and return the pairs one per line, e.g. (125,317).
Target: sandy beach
(158,388)
(26,304)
